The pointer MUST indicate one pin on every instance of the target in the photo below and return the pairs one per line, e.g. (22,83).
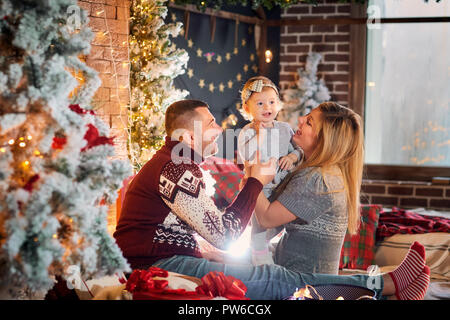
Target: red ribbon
(58,142)
(215,284)
(77,109)
(93,138)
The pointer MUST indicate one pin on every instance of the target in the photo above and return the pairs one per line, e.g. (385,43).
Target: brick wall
(332,41)
(406,195)
(109,57)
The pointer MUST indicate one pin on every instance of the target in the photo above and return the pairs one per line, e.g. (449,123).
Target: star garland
(228,57)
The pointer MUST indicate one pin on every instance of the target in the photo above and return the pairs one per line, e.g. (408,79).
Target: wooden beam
(218,13)
(357,61)
(404,173)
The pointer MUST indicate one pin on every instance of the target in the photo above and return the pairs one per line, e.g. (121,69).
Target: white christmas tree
(56,175)
(307,94)
(155,62)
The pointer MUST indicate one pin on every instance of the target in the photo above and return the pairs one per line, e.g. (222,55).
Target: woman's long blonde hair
(340,143)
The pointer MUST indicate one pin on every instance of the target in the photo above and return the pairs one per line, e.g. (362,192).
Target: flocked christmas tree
(155,62)
(307,94)
(56,175)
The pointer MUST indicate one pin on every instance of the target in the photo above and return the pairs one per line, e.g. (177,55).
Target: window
(407,87)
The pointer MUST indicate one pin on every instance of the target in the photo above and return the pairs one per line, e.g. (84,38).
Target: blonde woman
(319,201)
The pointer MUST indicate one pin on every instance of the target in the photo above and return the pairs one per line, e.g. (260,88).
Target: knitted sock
(418,288)
(410,268)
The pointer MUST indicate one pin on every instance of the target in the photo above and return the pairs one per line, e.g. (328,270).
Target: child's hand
(286,163)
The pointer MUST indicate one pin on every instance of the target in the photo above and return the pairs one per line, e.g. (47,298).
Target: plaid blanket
(400,221)
(227,176)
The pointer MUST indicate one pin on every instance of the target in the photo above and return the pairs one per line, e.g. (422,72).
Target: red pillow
(358,251)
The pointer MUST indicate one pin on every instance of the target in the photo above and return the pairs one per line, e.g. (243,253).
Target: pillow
(358,251)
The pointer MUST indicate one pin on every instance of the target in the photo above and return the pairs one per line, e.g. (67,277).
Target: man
(166,203)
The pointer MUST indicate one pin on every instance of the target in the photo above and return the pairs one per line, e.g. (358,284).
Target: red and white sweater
(166,204)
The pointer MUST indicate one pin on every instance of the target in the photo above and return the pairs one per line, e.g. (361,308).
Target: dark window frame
(357,86)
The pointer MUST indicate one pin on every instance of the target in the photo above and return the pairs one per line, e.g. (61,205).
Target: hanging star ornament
(245,67)
(221,87)
(211,87)
(209,58)
(252,57)
(238,77)
(235,51)
(219,59)
(201,83)
(228,56)
(243,42)
(190,43)
(190,73)
(199,52)
(230,84)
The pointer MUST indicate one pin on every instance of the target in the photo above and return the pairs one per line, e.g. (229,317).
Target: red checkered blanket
(227,175)
(400,221)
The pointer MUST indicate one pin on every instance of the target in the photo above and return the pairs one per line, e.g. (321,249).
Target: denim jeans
(265,282)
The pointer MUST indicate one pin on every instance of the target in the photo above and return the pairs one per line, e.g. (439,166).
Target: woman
(319,201)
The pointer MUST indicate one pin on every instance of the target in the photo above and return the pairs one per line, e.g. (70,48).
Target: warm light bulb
(11,142)
(29,137)
(22,144)
(37,153)
(21,138)
(2,150)
(268,54)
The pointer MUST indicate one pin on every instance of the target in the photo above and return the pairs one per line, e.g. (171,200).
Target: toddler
(261,104)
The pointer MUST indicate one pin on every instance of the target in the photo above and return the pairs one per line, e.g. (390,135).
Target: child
(261,104)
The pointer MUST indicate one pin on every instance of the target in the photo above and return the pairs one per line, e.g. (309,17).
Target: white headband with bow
(256,86)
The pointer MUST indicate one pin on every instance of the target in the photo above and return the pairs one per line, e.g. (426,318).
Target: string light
(11,142)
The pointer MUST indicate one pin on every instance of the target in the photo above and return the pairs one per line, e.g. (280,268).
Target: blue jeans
(265,282)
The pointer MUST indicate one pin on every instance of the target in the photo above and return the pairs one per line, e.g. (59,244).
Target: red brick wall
(333,42)
(406,194)
(109,57)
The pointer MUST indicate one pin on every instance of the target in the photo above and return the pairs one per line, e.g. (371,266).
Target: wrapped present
(155,284)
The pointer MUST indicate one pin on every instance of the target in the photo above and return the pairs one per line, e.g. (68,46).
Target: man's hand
(264,172)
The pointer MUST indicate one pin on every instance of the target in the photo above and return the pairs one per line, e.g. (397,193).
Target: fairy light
(22,144)
(11,142)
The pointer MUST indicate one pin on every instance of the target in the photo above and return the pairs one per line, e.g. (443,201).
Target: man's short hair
(180,115)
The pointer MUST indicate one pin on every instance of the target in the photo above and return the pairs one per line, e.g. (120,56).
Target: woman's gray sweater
(312,243)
